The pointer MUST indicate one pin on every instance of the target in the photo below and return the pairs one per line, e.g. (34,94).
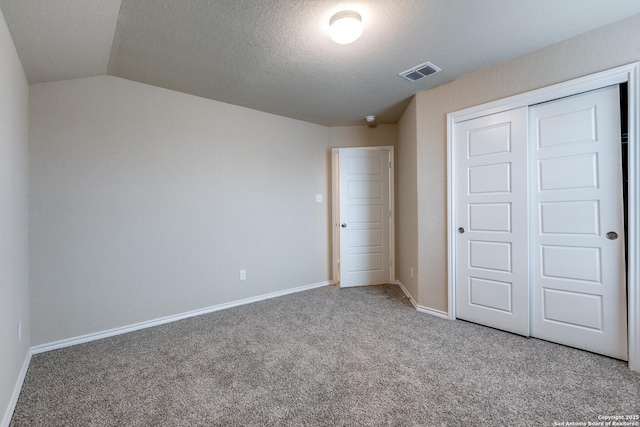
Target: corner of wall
(407,269)
(14,284)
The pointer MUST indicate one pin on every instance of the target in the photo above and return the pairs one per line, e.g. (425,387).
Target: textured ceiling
(59,40)
(276,55)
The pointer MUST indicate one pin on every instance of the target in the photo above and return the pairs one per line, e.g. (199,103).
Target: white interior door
(364,216)
(578,272)
(491,217)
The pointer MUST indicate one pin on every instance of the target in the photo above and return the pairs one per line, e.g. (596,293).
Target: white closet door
(491,213)
(578,274)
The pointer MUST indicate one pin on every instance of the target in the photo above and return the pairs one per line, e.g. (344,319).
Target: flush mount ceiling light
(346,27)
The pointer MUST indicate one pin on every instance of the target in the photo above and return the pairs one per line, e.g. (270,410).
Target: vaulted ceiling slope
(276,55)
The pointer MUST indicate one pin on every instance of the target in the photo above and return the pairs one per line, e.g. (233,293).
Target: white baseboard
(433,312)
(168,319)
(16,390)
(420,308)
(407,294)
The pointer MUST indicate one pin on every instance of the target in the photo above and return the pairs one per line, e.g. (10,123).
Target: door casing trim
(629,74)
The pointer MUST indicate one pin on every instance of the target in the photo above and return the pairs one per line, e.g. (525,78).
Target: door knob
(612,235)
(344,225)
(460,230)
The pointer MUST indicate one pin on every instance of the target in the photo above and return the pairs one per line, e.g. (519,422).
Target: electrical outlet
(243,274)
(19,330)
(411,272)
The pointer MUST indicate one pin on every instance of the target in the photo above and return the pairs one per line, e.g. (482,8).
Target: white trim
(451,218)
(407,294)
(433,312)
(628,73)
(560,90)
(16,390)
(420,308)
(335,215)
(168,319)
(633,232)
(392,213)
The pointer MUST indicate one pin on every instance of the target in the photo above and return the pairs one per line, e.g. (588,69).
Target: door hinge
(389,165)
(390,262)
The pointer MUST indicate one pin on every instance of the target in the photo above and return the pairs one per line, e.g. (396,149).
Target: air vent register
(419,72)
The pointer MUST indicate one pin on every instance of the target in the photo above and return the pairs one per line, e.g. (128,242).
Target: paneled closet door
(491,214)
(577,237)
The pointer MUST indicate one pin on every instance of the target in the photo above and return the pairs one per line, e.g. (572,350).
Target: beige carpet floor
(325,357)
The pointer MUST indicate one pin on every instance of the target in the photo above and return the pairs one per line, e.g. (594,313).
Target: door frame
(629,74)
(335,211)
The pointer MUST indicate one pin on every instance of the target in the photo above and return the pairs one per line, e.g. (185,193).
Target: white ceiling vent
(419,72)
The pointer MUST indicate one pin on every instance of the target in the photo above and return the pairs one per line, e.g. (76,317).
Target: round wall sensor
(370,119)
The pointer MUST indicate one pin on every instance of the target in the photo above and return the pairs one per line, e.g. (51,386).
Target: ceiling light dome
(346,27)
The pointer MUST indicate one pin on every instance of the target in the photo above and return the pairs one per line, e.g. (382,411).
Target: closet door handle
(461,230)
(612,235)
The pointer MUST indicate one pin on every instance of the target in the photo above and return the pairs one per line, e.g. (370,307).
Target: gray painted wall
(14,276)
(146,203)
